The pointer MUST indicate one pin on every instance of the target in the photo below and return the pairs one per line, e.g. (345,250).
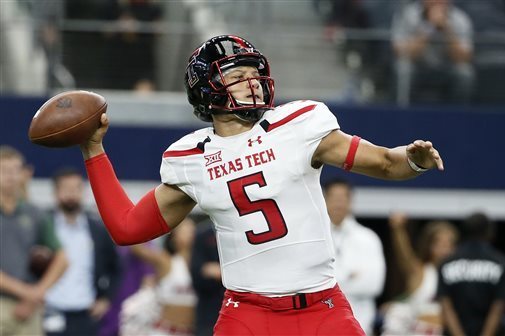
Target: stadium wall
(471,141)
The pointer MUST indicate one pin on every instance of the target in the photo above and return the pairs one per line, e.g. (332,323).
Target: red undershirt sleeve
(126,222)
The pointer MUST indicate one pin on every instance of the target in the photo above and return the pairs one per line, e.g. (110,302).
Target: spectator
(418,312)
(360,263)
(76,303)
(341,20)
(173,294)
(23,227)
(88,66)
(140,46)
(206,275)
(341,14)
(27,174)
(48,18)
(433,43)
(124,52)
(134,272)
(23,63)
(472,283)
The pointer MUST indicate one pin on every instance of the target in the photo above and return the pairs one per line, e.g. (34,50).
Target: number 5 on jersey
(268,207)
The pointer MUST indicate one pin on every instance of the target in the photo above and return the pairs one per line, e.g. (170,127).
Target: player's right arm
(159,211)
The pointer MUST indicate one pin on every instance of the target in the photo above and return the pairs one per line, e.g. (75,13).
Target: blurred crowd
(406,52)
(61,274)
(436,51)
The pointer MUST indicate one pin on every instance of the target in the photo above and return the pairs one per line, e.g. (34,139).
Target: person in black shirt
(206,274)
(472,284)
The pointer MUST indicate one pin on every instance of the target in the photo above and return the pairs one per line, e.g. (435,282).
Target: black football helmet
(204,79)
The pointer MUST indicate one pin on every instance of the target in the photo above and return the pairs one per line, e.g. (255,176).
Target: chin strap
(252,115)
(249,115)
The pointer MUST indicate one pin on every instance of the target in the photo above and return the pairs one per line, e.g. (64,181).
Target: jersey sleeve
(172,172)
(178,161)
(309,123)
(168,172)
(317,124)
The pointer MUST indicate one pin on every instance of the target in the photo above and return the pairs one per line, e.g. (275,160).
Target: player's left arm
(376,161)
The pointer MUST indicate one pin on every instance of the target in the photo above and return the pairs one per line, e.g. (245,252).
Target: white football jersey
(265,199)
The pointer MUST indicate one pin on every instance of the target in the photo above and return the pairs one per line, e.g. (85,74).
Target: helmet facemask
(222,99)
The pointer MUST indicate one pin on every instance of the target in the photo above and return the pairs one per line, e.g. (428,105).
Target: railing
(303,62)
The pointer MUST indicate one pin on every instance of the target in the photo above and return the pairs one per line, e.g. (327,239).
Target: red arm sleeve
(127,223)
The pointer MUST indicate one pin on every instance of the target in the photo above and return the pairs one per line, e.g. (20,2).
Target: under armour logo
(258,140)
(329,302)
(235,303)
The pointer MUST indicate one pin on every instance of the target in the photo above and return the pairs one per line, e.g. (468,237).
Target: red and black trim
(269,127)
(299,301)
(199,149)
(185,152)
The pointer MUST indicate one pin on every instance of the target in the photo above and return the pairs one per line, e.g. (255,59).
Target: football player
(255,171)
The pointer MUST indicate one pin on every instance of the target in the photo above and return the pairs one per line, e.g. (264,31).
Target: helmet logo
(192,76)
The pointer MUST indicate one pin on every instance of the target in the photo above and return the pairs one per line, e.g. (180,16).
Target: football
(67,119)
(40,258)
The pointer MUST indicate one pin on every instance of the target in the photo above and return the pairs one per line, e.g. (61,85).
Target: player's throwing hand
(93,146)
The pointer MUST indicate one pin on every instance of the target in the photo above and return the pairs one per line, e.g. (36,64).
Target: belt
(297,301)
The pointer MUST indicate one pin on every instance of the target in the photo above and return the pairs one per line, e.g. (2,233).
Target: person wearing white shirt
(76,303)
(360,263)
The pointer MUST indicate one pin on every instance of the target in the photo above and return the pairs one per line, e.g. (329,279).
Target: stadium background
(304,64)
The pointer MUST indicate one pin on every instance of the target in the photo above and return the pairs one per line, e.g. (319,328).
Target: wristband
(351,153)
(415,167)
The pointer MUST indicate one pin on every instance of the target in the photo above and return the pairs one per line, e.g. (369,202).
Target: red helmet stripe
(239,41)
